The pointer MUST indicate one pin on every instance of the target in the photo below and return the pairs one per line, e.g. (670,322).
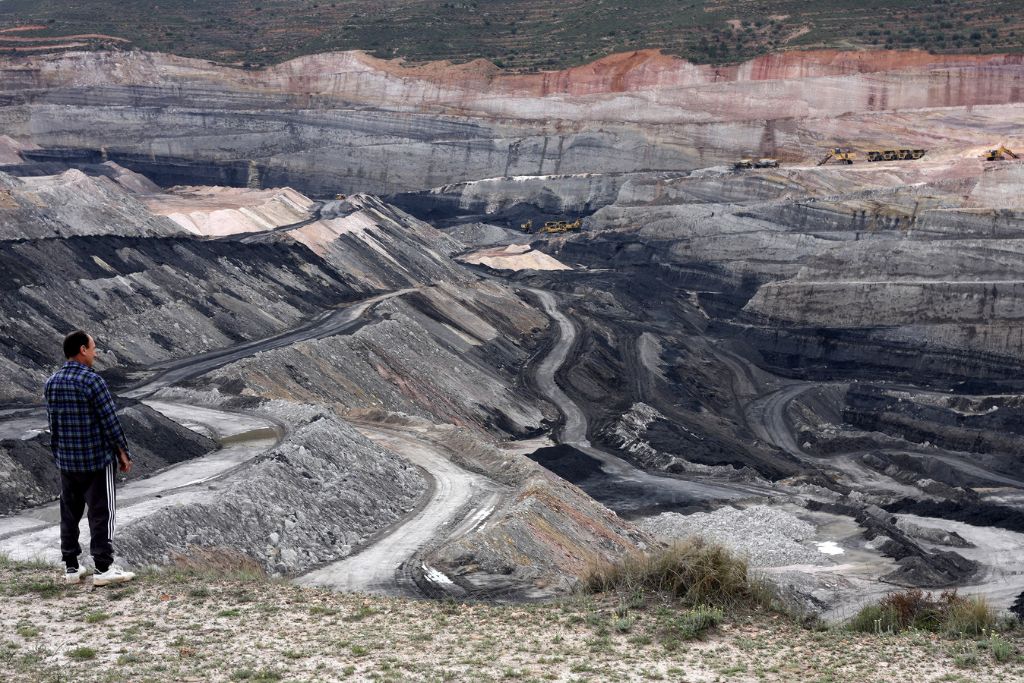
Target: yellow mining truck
(1001,154)
(895,154)
(554,227)
(839,155)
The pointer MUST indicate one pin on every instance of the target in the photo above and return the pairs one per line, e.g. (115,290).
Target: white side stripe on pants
(111,501)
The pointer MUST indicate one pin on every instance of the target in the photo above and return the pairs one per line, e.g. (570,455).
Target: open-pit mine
(443,330)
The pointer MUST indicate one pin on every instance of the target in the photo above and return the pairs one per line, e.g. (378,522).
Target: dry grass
(694,572)
(915,609)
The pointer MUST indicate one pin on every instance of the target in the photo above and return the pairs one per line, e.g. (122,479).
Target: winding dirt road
(457,502)
(624,480)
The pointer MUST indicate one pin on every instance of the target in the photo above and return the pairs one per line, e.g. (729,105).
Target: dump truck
(895,154)
(1001,154)
(839,155)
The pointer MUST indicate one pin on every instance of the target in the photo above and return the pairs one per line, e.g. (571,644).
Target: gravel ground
(765,536)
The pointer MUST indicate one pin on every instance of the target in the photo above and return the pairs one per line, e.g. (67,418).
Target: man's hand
(125,464)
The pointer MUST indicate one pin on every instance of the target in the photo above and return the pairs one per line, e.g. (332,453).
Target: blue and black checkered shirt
(84,430)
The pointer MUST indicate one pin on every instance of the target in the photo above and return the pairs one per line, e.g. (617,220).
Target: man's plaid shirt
(84,430)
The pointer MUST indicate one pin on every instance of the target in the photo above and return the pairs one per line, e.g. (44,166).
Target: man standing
(86,435)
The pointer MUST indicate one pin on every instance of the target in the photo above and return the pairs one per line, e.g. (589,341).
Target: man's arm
(106,412)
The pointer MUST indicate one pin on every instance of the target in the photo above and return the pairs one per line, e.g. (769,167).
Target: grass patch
(694,572)
(82,653)
(694,623)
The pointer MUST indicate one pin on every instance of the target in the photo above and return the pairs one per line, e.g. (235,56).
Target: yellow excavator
(527,226)
(554,227)
(838,154)
(1001,154)
(895,154)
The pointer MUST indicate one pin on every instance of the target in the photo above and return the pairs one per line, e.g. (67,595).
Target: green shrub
(694,622)
(695,572)
(82,653)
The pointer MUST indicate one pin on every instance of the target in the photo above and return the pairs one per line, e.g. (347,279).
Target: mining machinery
(554,227)
(895,154)
(527,226)
(1001,154)
(838,154)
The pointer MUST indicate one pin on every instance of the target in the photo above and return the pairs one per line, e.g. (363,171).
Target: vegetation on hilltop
(223,622)
(516,34)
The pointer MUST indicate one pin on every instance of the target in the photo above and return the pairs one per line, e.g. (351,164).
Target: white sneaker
(114,574)
(75,575)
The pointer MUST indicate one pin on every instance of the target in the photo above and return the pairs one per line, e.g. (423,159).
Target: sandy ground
(514,257)
(220,211)
(176,627)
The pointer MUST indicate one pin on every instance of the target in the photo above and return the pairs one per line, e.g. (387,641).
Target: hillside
(516,34)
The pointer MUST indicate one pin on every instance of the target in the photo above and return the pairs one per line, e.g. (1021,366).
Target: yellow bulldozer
(839,155)
(554,227)
(895,154)
(1001,154)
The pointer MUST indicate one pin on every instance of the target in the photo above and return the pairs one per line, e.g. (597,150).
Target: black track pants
(95,489)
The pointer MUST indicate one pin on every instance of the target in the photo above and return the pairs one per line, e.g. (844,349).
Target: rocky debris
(541,544)
(514,257)
(73,204)
(487,235)
(765,536)
(28,476)
(314,498)
(932,534)
(382,247)
(628,436)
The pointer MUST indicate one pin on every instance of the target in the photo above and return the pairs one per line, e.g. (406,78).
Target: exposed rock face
(274,510)
(323,117)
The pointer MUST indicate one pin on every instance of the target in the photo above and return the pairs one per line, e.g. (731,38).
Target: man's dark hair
(74,342)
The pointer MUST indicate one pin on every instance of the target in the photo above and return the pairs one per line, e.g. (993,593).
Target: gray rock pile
(767,537)
(314,498)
